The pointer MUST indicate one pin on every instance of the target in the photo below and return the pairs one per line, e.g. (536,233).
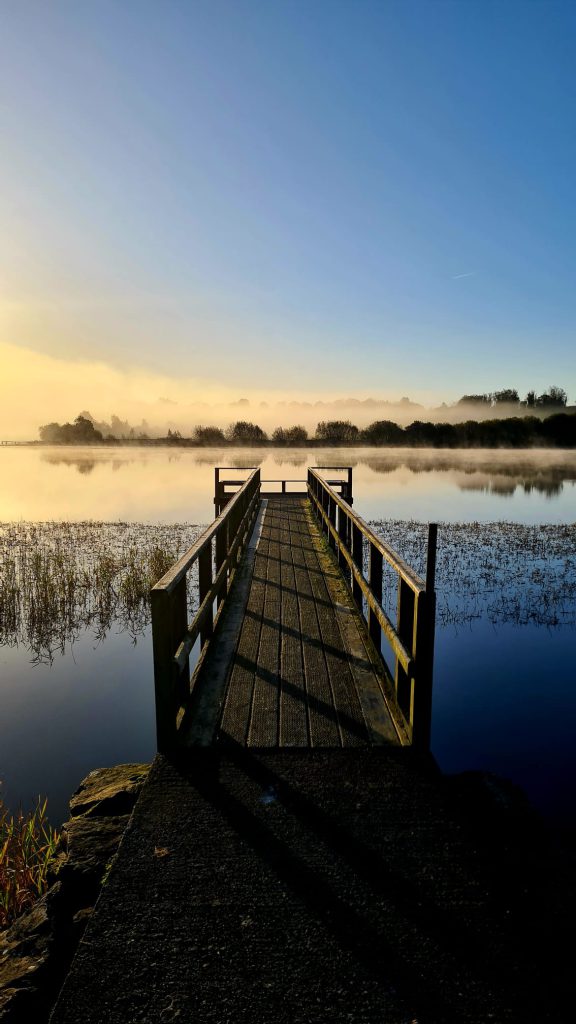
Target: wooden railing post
(431,558)
(375,581)
(425,630)
(204,585)
(233,528)
(332,517)
(343,534)
(357,554)
(324,504)
(405,627)
(169,622)
(221,552)
(421,694)
(164,676)
(257,490)
(320,499)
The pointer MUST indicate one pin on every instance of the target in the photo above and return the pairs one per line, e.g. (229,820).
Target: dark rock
(109,791)
(92,843)
(25,951)
(35,923)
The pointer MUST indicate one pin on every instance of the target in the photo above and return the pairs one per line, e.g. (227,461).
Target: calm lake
(504,689)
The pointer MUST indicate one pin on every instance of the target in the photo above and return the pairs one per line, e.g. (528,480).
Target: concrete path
(301,886)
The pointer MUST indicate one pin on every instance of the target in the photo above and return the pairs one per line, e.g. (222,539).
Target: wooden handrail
(412,638)
(223,495)
(217,553)
(402,568)
(176,571)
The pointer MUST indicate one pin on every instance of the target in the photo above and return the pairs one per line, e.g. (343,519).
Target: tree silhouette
(209,435)
(290,435)
(243,432)
(337,431)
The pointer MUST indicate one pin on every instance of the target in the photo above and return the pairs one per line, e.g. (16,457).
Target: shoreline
(311,443)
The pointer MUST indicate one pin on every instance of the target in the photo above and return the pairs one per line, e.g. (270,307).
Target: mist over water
(177,484)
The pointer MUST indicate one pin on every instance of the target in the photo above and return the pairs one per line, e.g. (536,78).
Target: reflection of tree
(290,460)
(501,487)
(469,471)
(214,459)
(506,488)
(81,465)
(489,475)
(551,490)
(384,469)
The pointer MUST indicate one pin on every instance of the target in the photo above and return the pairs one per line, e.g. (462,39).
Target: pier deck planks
(302,674)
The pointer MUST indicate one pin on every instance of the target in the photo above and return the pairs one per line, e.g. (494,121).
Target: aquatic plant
(503,572)
(59,578)
(28,846)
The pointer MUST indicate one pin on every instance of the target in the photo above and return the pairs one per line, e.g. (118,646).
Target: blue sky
(317,197)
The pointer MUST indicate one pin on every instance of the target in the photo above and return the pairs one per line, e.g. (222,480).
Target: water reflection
(492,717)
(507,489)
(544,472)
(286,459)
(170,484)
(81,465)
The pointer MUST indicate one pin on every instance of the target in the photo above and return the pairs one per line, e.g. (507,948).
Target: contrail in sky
(470,273)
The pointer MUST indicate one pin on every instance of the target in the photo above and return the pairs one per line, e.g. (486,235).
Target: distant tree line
(244,432)
(85,430)
(82,431)
(557,430)
(554,398)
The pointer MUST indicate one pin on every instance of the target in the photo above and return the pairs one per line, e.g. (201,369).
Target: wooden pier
(294,656)
(293,857)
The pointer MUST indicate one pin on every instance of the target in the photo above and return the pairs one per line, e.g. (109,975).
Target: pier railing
(217,553)
(226,486)
(411,638)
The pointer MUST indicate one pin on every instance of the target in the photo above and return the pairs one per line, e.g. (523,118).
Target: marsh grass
(28,846)
(500,572)
(58,579)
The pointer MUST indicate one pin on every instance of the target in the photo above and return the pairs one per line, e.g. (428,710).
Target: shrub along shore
(555,431)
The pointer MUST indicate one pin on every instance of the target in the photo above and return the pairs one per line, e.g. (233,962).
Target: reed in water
(502,572)
(59,578)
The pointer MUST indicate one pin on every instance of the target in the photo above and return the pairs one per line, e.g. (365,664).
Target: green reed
(57,579)
(502,572)
(28,846)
